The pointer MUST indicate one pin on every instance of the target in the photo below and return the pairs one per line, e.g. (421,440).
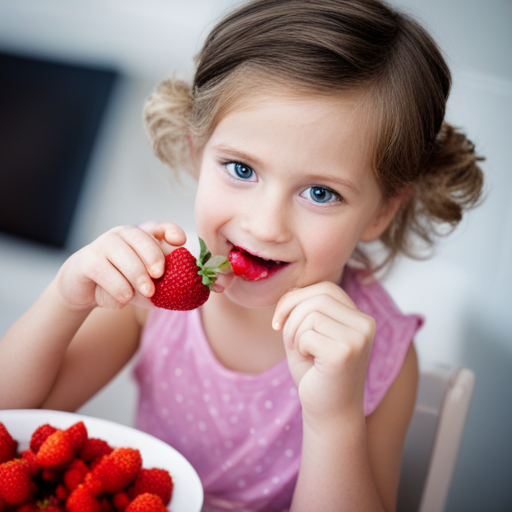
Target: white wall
(465,290)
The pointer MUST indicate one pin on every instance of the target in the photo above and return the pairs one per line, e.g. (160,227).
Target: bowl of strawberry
(65,462)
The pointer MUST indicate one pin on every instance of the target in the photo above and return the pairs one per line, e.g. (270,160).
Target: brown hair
(327,47)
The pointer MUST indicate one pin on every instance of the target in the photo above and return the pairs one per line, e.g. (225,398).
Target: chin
(253,294)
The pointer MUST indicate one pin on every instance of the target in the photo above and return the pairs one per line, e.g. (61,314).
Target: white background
(464,290)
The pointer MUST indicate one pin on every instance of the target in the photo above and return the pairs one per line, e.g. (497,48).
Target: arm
(371,449)
(348,462)
(65,347)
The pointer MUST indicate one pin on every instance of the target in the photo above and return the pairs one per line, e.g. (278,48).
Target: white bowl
(188,492)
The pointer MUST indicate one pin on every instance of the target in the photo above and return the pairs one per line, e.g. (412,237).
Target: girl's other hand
(328,343)
(110,270)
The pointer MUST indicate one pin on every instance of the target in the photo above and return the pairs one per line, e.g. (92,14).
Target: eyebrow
(246,157)
(335,179)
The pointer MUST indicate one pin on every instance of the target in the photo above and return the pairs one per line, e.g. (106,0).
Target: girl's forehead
(297,134)
(288,116)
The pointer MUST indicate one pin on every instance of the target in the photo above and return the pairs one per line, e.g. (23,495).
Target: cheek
(210,205)
(329,249)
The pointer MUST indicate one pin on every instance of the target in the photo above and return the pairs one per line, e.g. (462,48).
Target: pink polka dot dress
(243,432)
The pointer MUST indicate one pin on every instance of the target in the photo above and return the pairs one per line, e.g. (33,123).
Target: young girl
(314,127)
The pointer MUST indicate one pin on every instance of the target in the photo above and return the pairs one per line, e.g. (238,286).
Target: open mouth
(251,267)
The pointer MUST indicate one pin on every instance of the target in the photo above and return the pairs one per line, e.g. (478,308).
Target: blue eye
(239,170)
(323,195)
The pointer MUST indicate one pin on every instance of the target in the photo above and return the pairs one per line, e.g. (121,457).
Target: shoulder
(393,336)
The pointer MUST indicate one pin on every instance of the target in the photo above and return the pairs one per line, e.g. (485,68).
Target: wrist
(350,422)
(54,295)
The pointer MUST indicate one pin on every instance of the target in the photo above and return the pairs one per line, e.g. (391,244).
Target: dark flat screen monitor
(50,115)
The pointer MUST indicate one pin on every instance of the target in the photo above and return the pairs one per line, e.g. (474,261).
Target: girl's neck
(242,338)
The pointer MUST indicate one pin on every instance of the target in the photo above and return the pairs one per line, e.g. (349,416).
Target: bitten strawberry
(40,435)
(16,486)
(156,481)
(56,451)
(8,445)
(146,502)
(251,267)
(117,470)
(187,281)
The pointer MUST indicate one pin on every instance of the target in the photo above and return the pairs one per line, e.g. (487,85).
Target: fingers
(290,300)
(143,247)
(329,341)
(328,316)
(112,289)
(169,234)
(125,260)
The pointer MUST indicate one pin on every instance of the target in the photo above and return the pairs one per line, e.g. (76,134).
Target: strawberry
(33,466)
(251,267)
(75,474)
(156,481)
(82,500)
(93,449)
(146,502)
(28,507)
(56,451)
(117,470)
(16,486)
(51,475)
(61,493)
(40,435)
(120,501)
(106,505)
(93,483)
(77,434)
(187,281)
(8,445)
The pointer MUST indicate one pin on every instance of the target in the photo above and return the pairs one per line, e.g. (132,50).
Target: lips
(251,267)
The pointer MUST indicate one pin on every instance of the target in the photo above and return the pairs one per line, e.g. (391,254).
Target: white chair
(433,439)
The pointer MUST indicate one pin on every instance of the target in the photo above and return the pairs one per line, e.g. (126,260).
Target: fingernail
(145,288)
(156,270)
(276,325)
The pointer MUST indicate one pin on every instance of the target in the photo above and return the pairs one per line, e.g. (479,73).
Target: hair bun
(167,115)
(451,181)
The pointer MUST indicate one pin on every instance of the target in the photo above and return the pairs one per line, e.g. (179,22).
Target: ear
(384,216)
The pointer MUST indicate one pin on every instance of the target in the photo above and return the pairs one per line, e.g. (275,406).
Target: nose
(267,217)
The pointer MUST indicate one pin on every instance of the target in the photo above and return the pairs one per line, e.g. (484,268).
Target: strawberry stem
(209,266)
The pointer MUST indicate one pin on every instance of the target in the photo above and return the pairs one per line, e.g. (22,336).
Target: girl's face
(289,179)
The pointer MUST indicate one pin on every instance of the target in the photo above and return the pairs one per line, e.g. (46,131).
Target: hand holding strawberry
(122,261)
